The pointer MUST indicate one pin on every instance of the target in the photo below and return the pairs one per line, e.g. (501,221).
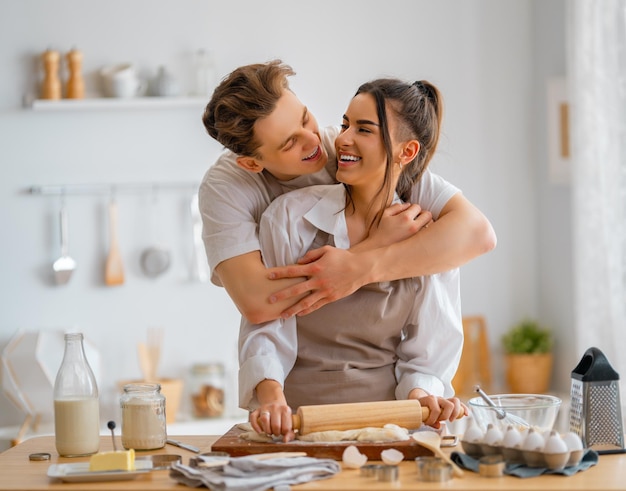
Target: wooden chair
(475,365)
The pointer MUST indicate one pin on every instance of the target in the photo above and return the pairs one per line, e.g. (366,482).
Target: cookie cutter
(491,466)
(370,470)
(161,461)
(382,472)
(388,473)
(433,469)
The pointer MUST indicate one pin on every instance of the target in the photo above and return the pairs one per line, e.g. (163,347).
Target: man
(274,145)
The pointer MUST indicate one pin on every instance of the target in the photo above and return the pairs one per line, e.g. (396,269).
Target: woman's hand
(399,222)
(441,409)
(273,419)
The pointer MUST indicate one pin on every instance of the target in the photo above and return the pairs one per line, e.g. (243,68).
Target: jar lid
(142,387)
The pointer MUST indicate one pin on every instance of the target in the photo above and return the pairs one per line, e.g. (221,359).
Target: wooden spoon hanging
(114,269)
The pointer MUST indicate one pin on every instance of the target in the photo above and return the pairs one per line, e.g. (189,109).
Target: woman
(392,340)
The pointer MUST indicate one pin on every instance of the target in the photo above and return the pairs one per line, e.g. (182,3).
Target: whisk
(507,418)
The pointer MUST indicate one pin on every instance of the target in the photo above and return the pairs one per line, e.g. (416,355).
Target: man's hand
(331,274)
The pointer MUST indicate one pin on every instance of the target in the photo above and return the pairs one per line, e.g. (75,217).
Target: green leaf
(528,337)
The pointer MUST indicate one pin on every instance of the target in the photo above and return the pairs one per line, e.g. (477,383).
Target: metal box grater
(595,411)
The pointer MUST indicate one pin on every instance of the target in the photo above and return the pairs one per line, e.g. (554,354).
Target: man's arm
(245,279)
(460,234)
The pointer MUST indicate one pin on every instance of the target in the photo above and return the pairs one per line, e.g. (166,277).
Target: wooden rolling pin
(351,416)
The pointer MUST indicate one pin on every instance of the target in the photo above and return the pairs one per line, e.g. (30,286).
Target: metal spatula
(65,265)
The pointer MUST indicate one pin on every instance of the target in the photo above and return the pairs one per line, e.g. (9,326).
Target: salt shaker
(143,417)
(75,88)
(51,84)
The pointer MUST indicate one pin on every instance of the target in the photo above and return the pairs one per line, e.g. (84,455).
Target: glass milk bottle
(76,409)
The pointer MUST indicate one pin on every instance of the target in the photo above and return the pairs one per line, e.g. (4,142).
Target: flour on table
(388,433)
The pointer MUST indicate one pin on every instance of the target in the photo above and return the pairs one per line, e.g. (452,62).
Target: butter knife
(186,446)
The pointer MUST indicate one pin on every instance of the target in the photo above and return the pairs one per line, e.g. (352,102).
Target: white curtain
(597,92)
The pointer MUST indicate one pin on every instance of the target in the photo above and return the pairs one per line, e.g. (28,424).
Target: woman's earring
(400,165)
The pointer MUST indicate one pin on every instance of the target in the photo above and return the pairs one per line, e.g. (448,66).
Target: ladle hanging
(64,266)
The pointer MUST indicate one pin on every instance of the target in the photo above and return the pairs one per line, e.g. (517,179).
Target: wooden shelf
(112,103)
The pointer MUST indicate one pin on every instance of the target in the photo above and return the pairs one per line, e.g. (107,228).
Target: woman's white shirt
(429,334)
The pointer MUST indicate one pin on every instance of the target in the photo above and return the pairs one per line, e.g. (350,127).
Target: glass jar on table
(143,417)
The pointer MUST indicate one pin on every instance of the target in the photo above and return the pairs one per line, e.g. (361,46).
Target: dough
(388,433)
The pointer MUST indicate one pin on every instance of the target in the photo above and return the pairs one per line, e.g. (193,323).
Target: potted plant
(528,351)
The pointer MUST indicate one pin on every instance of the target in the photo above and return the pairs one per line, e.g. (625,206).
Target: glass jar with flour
(143,417)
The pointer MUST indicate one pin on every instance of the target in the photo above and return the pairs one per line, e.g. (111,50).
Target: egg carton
(528,447)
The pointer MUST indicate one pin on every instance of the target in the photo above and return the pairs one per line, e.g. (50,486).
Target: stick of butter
(119,460)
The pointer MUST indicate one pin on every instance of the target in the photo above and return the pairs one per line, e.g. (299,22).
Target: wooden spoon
(432,441)
(114,269)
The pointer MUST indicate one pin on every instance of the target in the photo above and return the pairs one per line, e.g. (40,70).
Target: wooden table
(17,472)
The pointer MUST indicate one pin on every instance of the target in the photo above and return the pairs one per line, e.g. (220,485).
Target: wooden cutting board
(237,447)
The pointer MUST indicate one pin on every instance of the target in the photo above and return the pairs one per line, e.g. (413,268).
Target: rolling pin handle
(295,421)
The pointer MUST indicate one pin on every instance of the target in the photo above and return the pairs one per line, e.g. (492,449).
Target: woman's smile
(347,159)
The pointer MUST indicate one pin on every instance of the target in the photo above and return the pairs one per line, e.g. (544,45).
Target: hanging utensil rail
(111,188)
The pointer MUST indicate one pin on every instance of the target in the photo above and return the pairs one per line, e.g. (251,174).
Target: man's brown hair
(247,94)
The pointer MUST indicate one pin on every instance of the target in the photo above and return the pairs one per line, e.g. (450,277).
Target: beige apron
(347,349)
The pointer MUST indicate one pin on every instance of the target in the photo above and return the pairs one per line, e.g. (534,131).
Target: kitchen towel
(251,474)
(590,458)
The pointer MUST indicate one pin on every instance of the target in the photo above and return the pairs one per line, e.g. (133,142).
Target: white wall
(481,53)
(555,278)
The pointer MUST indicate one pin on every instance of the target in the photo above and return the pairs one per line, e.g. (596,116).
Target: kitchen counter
(17,472)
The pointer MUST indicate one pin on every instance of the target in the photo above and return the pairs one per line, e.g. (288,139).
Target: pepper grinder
(75,84)
(51,86)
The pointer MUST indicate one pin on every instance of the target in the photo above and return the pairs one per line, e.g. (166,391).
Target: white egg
(353,458)
(512,438)
(391,456)
(473,433)
(573,441)
(494,435)
(533,441)
(555,444)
